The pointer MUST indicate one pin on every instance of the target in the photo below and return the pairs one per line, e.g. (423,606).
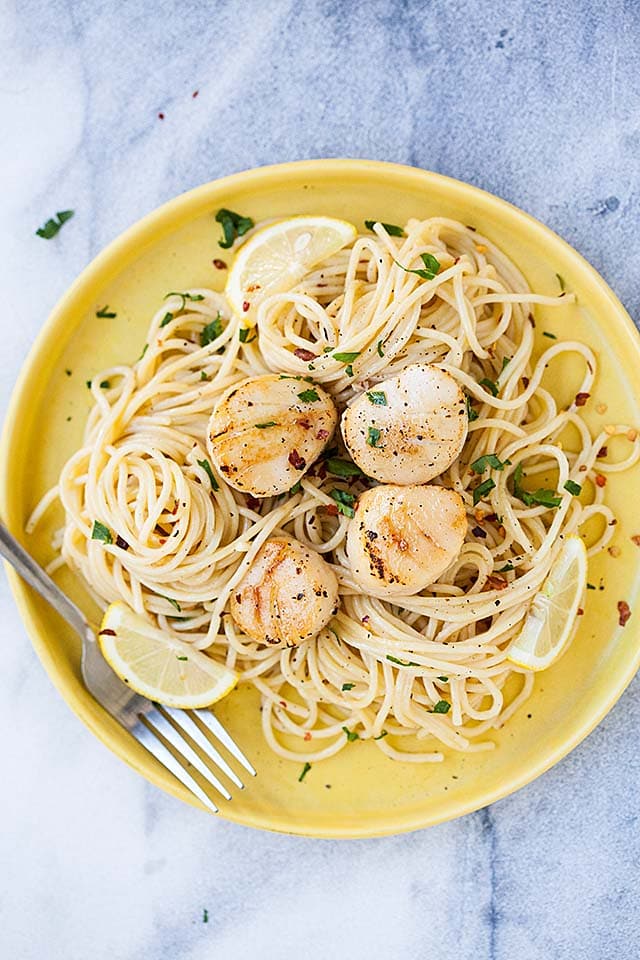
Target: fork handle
(36,577)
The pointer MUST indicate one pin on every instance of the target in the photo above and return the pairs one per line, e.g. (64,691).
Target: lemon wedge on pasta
(277,257)
(159,666)
(550,622)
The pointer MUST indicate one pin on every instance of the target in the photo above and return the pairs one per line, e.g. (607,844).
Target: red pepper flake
(636,539)
(581,399)
(307,736)
(479,532)
(600,480)
(252,502)
(322,435)
(602,452)
(120,542)
(579,612)
(366,618)
(623,612)
(282,703)
(303,354)
(107,633)
(219,264)
(195,94)
(304,423)
(245,305)
(161,116)
(238,598)
(526,382)
(331,509)
(296,461)
(496,583)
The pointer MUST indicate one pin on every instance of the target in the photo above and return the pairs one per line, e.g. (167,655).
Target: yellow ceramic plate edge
(146,231)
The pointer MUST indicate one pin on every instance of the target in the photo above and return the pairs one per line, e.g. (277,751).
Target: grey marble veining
(537,102)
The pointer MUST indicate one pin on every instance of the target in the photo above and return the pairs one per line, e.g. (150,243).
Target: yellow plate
(359,792)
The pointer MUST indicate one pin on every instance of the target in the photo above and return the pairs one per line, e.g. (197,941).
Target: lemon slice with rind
(159,666)
(277,257)
(551,620)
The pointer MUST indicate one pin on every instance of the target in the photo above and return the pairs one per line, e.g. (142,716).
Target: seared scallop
(403,538)
(265,433)
(409,428)
(289,594)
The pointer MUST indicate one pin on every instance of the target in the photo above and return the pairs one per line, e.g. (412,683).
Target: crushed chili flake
(366,618)
(582,468)
(526,382)
(304,422)
(322,435)
(252,502)
(624,612)
(161,116)
(307,736)
(581,399)
(636,539)
(479,532)
(601,408)
(496,583)
(614,551)
(195,94)
(219,264)
(245,305)
(282,703)
(107,633)
(122,543)
(303,354)
(579,612)
(296,461)
(600,480)
(602,452)
(331,509)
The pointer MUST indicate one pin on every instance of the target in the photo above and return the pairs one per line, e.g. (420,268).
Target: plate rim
(153,224)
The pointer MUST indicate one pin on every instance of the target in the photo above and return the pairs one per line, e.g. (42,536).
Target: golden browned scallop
(288,595)
(403,538)
(409,428)
(266,432)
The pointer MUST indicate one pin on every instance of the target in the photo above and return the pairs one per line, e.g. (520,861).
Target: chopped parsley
(305,771)
(391,228)
(381,735)
(184,297)
(174,603)
(177,657)
(505,363)
(482,490)
(402,663)
(507,567)
(348,686)
(561,282)
(345,502)
(144,350)
(204,376)
(309,396)
(490,385)
(205,916)
(342,468)
(379,346)
(552,336)
(53,225)
(573,488)
(296,487)
(349,370)
(471,413)
(244,332)
(442,706)
(431,266)
(444,679)
(168,317)
(378,397)
(211,331)
(106,313)
(105,384)
(351,734)
(347,357)
(269,423)
(373,436)
(540,497)
(488,460)
(206,466)
(233,225)
(100,532)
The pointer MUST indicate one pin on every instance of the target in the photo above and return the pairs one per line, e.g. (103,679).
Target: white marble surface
(538,102)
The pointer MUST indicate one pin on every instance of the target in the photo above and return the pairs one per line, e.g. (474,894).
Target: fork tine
(162,725)
(144,736)
(219,731)
(186,722)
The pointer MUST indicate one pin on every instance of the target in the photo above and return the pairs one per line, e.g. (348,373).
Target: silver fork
(144,720)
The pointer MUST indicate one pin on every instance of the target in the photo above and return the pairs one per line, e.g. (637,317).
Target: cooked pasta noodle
(381,668)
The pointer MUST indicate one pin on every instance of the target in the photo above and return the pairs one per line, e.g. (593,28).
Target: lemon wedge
(277,257)
(550,622)
(159,666)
